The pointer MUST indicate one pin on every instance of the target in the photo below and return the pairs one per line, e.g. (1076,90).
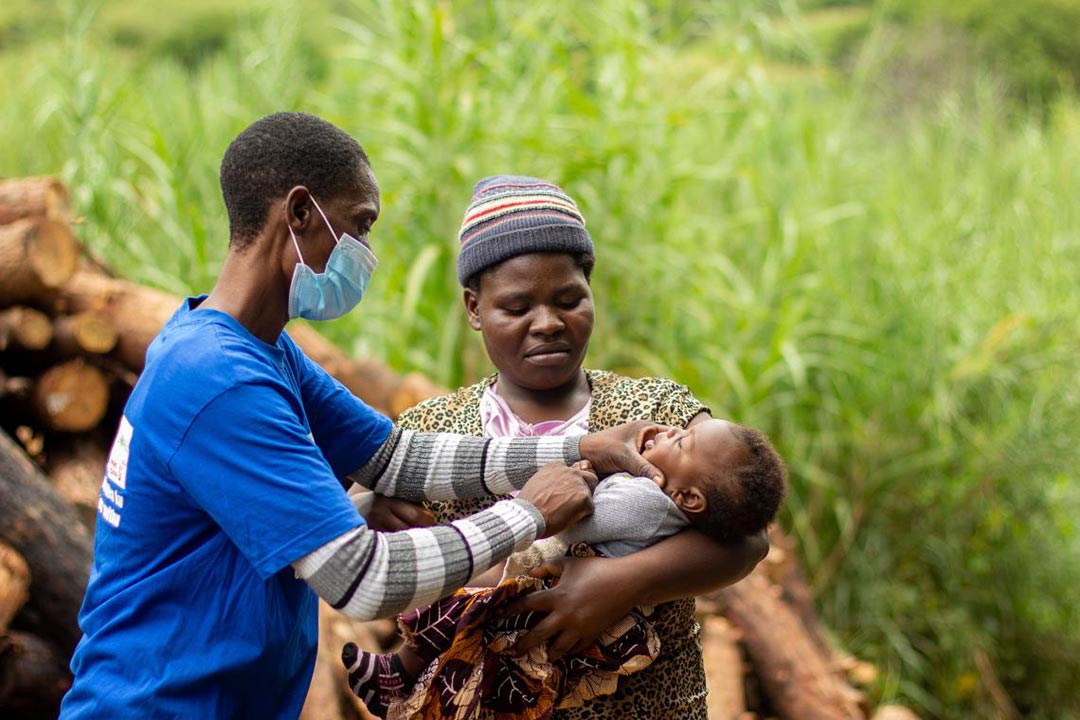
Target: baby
(723,479)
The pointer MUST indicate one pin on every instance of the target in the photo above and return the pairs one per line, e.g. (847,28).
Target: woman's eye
(569,304)
(515,310)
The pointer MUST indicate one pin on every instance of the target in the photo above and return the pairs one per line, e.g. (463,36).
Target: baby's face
(688,458)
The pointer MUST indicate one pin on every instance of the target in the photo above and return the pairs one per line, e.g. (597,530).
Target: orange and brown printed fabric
(474,674)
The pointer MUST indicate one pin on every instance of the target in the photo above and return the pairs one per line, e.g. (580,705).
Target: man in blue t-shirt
(223,513)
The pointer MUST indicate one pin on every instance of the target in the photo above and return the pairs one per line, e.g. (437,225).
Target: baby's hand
(534,556)
(521,562)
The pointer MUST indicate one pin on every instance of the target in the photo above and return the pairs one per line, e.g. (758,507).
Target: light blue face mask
(337,290)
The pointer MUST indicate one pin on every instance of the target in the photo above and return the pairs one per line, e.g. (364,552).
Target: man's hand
(563,495)
(389,514)
(619,449)
(586,602)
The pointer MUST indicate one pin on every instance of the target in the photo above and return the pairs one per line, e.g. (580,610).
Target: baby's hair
(749,506)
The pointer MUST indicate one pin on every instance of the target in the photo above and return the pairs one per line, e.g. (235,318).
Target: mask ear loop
(296,245)
(325,220)
(337,238)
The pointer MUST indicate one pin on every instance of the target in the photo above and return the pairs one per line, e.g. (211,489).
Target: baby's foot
(375,679)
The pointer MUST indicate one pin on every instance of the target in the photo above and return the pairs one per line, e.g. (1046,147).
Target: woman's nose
(547,322)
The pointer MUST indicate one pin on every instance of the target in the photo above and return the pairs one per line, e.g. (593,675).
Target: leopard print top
(674,685)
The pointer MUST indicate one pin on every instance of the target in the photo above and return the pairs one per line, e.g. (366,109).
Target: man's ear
(690,500)
(472,308)
(298,208)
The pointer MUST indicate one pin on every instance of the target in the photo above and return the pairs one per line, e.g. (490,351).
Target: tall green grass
(892,296)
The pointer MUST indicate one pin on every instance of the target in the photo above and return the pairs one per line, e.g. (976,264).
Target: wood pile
(73,339)
(773,658)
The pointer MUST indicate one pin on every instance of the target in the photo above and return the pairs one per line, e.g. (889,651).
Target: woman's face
(536,315)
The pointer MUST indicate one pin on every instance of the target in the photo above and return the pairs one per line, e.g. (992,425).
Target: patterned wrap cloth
(475,676)
(673,686)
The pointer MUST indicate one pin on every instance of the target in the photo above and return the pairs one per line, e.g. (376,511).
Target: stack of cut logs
(73,338)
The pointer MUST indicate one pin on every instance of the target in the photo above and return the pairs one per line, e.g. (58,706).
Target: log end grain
(33,197)
(14,584)
(25,328)
(53,253)
(36,258)
(71,397)
(76,470)
(87,332)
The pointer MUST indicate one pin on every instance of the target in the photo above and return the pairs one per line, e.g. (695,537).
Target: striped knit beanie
(511,215)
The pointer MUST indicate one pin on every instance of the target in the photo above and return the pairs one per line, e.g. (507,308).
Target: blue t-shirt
(224,470)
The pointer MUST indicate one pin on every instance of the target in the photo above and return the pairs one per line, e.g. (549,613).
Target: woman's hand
(619,449)
(389,514)
(594,593)
(584,604)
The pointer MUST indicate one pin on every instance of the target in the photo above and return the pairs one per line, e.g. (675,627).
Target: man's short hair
(747,500)
(277,153)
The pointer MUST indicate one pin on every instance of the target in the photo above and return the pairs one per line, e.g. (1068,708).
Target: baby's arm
(630,509)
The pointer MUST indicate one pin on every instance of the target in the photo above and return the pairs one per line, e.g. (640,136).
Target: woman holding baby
(525,262)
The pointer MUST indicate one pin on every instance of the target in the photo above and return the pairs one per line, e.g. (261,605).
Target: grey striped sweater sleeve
(367,574)
(442,466)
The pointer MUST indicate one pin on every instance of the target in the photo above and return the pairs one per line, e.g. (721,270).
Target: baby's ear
(690,500)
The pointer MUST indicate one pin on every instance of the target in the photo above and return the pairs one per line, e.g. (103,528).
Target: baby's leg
(377,679)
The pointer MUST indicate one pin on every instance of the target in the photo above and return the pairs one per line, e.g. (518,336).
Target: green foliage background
(852,224)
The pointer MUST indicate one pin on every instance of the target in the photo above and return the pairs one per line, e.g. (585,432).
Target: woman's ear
(690,500)
(472,308)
